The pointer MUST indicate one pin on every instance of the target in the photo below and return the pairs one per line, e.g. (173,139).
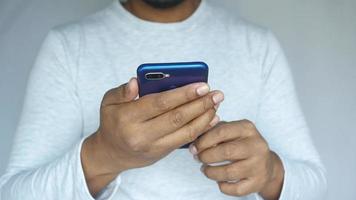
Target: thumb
(130,90)
(124,93)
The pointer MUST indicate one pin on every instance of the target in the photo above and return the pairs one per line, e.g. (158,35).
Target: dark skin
(179,116)
(136,133)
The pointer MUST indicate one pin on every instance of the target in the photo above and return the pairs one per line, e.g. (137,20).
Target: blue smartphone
(159,77)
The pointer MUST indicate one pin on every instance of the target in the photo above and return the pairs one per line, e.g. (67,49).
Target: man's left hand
(253,167)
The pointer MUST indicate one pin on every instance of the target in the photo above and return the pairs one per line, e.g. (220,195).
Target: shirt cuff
(106,193)
(288,186)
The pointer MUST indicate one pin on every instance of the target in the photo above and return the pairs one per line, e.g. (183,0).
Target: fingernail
(215,120)
(203,90)
(196,158)
(193,149)
(218,97)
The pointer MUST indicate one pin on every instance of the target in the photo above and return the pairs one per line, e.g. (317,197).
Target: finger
(189,132)
(178,117)
(241,188)
(227,151)
(229,172)
(158,103)
(222,133)
(124,93)
(213,123)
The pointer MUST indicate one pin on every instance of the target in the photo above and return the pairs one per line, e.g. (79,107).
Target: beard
(163,4)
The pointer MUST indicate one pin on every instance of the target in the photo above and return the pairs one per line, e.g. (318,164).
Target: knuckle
(105,110)
(262,146)
(227,152)
(189,95)
(115,91)
(207,103)
(176,118)
(192,133)
(220,133)
(122,90)
(108,93)
(161,103)
(248,124)
(105,98)
(211,114)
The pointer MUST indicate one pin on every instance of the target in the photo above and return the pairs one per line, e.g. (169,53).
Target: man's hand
(252,166)
(136,133)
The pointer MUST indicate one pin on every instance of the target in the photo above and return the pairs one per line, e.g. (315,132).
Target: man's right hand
(136,133)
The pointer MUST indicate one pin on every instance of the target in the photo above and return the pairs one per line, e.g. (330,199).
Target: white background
(319,37)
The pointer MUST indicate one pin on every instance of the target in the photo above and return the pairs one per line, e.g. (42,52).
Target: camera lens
(154,76)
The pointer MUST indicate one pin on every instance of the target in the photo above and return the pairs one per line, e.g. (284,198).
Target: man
(82,137)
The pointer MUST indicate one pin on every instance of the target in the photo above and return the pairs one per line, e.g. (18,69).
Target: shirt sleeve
(281,121)
(45,160)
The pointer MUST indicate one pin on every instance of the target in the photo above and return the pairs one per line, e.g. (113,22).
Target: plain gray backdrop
(319,37)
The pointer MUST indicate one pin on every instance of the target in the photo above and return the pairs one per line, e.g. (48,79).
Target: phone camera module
(155,76)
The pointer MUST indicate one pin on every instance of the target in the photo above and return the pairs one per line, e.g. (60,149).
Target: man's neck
(175,14)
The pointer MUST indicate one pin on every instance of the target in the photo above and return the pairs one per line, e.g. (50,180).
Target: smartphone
(159,77)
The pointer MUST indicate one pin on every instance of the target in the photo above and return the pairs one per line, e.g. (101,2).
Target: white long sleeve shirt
(79,62)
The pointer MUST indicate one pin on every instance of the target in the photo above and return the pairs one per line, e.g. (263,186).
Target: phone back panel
(180,74)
